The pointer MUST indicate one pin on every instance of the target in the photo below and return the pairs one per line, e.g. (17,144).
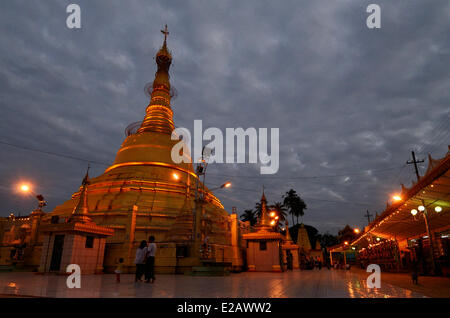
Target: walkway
(324,283)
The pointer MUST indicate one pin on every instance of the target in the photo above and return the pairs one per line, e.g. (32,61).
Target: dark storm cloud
(350,102)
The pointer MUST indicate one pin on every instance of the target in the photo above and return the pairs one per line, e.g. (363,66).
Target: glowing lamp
(413,212)
(277,217)
(272,214)
(227,185)
(356,231)
(346,243)
(272,223)
(175,176)
(378,239)
(396,197)
(421,208)
(438,209)
(25,187)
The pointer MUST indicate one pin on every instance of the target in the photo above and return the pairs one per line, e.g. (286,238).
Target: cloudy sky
(351,103)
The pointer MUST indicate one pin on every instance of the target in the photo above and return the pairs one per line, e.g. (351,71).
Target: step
(209,271)
(5,268)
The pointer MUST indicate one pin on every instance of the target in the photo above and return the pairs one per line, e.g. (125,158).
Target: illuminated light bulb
(356,231)
(272,214)
(421,208)
(378,239)
(346,243)
(438,209)
(413,211)
(272,223)
(25,187)
(175,176)
(396,197)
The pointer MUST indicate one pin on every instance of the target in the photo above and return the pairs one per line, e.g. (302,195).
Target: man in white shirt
(150,261)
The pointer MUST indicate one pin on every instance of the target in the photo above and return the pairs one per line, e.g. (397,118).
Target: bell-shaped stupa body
(145,193)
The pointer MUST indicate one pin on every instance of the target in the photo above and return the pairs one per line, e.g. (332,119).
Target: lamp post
(36,214)
(25,188)
(225,185)
(424,211)
(198,204)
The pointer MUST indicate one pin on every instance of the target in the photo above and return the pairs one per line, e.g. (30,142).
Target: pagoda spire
(264,220)
(81,211)
(159,115)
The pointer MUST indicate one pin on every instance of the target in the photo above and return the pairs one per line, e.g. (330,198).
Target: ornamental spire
(81,211)
(159,115)
(264,220)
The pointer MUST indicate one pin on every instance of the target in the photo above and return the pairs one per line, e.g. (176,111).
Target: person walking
(140,260)
(150,261)
(119,270)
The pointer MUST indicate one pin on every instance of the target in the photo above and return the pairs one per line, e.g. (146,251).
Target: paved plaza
(317,284)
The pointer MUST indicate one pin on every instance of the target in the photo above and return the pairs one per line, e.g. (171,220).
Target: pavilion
(415,228)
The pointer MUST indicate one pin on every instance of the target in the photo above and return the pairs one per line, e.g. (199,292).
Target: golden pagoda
(303,239)
(145,193)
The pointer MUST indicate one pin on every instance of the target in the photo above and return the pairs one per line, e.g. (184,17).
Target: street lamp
(25,188)
(356,231)
(396,197)
(225,185)
(424,211)
(275,218)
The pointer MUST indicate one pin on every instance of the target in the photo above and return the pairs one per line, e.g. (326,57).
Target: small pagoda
(264,246)
(76,241)
(290,251)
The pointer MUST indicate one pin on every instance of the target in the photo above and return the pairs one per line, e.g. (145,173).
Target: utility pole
(415,162)
(425,213)
(368,215)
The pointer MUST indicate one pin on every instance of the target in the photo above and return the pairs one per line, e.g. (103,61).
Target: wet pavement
(297,284)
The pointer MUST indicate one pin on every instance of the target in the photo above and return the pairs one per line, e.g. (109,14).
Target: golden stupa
(145,193)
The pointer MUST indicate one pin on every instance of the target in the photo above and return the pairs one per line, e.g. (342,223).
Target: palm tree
(258,209)
(249,215)
(294,204)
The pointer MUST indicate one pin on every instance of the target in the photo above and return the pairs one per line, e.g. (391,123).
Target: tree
(249,215)
(327,239)
(258,209)
(347,234)
(294,203)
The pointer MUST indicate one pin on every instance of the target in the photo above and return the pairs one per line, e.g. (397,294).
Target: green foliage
(294,204)
(249,215)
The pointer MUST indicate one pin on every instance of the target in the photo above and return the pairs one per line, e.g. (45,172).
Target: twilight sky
(351,103)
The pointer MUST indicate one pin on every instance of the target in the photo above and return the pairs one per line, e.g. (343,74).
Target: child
(415,272)
(119,270)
